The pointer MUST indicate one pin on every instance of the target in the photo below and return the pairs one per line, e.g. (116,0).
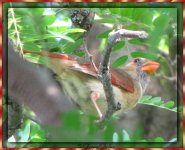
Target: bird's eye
(137,60)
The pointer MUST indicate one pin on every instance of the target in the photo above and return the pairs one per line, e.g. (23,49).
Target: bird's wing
(122,79)
(119,77)
(85,68)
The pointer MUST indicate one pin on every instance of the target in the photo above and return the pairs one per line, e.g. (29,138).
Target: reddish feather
(119,78)
(52,55)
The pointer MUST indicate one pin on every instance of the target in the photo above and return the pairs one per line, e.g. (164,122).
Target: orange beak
(150,67)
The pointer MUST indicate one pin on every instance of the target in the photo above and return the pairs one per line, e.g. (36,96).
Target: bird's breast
(127,99)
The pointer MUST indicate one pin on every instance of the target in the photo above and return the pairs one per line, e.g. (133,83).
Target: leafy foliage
(118,62)
(156,101)
(81,131)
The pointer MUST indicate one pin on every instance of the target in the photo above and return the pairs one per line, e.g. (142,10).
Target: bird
(80,83)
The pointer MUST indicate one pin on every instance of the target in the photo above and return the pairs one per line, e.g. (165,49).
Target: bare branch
(89,55)
(171,63)
(104,75)
(170,79)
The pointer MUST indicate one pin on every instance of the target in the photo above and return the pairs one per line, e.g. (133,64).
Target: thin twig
(170,79)
(89,55)
(16,31)
(171,63)
(103,73)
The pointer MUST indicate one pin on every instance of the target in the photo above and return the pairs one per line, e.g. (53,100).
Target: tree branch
(171,63)
(103,73)
(89,55)
(170,79)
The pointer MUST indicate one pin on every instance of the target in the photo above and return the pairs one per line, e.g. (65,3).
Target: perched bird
(80,83)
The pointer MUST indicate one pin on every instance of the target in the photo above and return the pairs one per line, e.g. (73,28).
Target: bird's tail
(50,55)
(59,63)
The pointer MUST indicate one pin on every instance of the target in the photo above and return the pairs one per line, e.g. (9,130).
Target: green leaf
(158,139)
(125,136)
(37,140)
(48,20)
(156,101)
(36,131)
(37,11)
(161,21)
(170,142)
(62,36)
(57,29)
(118,46)
(160,24)
(80,54)
(25,133)
(115,137)
(175,109)
(103,34)
(120,61)
(114,10)
(71,47)
(31,46)
(69,119)
(105,21)
(173,140)
(144,55)
(127,12)
(135,41)
(169,104)
(74,30)
(145,98)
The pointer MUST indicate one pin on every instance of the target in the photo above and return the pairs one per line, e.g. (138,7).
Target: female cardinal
(80,83)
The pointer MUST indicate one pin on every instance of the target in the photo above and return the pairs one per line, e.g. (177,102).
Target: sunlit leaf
(169,104)
(156,101)
(49,19)
(71,47)
(158,139)
(120,61)
(37,11)
(170,142)
(25,133)
(125,136)
(135,41)
(30,46)
(149,56)
(74,30)
(62,36)
(103,34)
(118,46)
(115,137)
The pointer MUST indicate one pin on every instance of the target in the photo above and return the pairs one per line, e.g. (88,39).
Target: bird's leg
(94,96)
